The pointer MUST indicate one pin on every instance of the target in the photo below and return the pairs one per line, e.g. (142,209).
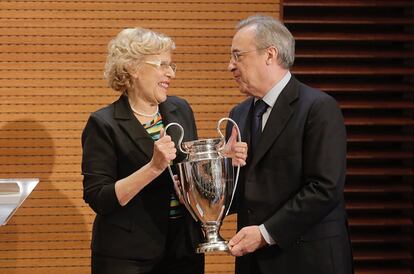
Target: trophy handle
(179,144)
(181,137)
(181,191)
(238,167)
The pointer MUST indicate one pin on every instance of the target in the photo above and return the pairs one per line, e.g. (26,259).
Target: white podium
(13,192)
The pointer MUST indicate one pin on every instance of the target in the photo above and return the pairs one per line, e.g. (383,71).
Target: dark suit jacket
(115,145)
(294,184)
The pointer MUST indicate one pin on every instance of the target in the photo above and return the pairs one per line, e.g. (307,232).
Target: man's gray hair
(271,32)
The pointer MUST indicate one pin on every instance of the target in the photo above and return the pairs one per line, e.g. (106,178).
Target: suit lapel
(278,119)
(169,115)
(244,120)
(127,121)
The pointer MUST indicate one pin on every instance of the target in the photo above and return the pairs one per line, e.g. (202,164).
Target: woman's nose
(231,65)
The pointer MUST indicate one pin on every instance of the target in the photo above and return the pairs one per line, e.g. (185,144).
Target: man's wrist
(266,236)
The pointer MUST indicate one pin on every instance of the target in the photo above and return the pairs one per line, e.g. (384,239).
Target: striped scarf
(154,128)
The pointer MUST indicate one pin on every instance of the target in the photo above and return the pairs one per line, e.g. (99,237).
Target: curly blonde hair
(127,49)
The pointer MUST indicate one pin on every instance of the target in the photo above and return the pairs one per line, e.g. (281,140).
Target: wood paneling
(52,55)
(362,52)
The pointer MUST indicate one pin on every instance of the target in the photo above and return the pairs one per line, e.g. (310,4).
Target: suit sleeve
(323,172)
(99,167)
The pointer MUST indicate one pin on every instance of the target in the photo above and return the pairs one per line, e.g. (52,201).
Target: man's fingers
(239,162)
(236,251)
(233,136)
(236,238)
(237,244)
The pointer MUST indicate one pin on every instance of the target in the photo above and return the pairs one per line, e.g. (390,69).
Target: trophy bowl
(207,185)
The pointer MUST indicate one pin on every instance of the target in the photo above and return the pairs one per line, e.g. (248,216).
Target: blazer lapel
(169,115)
(131,126)
(278,119)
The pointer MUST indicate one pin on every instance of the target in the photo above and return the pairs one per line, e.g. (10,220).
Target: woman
(140,227)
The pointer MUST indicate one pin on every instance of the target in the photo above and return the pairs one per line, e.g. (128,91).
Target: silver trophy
(207,184)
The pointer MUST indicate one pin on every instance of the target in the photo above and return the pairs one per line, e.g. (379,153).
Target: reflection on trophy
(207,185)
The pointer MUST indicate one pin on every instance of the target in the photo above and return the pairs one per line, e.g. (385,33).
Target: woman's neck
(141,106)
(144,111)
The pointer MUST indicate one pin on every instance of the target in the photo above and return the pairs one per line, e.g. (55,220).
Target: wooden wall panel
(52,54)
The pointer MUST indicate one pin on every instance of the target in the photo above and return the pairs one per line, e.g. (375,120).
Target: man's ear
(271,55)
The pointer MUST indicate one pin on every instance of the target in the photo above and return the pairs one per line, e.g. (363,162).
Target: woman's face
(152,78)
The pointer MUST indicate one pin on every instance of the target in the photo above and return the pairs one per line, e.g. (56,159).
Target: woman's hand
(164,152)
(236,150)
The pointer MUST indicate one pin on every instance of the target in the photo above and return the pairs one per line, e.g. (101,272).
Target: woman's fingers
(164,152)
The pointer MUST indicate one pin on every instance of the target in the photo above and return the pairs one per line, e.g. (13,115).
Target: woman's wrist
(153,169)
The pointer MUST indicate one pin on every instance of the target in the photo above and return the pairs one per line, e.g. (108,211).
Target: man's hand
(235,150)
(247,240)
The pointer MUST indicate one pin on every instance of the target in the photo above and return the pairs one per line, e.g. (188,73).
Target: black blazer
(293,184)
(115,145)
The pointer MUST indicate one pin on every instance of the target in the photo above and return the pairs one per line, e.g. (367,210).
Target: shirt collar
(271,97)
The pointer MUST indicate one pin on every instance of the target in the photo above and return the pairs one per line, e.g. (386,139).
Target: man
(290,205)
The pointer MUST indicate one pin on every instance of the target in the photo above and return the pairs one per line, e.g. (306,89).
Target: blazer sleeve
(99,166)
(323,171)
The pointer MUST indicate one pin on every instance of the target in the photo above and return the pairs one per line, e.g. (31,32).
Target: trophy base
(213,247)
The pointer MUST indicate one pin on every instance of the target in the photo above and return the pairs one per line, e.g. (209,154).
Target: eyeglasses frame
(235,55)
(162,64)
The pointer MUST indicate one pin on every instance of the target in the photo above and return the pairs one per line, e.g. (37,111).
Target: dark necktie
(259,108)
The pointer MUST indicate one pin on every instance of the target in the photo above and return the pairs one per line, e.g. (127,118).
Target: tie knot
(260,107)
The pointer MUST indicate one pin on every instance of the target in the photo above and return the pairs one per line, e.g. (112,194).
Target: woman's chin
(161,98)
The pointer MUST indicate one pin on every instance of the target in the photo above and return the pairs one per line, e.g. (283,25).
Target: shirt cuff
(266,235)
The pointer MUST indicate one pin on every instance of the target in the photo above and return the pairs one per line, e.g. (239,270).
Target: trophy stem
(214,242)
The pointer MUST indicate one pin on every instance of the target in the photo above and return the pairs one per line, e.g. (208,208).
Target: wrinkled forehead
(244,39)
(165,56)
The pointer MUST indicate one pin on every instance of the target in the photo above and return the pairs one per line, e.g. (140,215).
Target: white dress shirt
(270,99)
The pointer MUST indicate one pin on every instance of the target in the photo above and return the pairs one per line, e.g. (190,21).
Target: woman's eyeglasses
(162,65)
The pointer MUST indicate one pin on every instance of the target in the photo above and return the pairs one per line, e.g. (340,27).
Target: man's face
(249,69)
